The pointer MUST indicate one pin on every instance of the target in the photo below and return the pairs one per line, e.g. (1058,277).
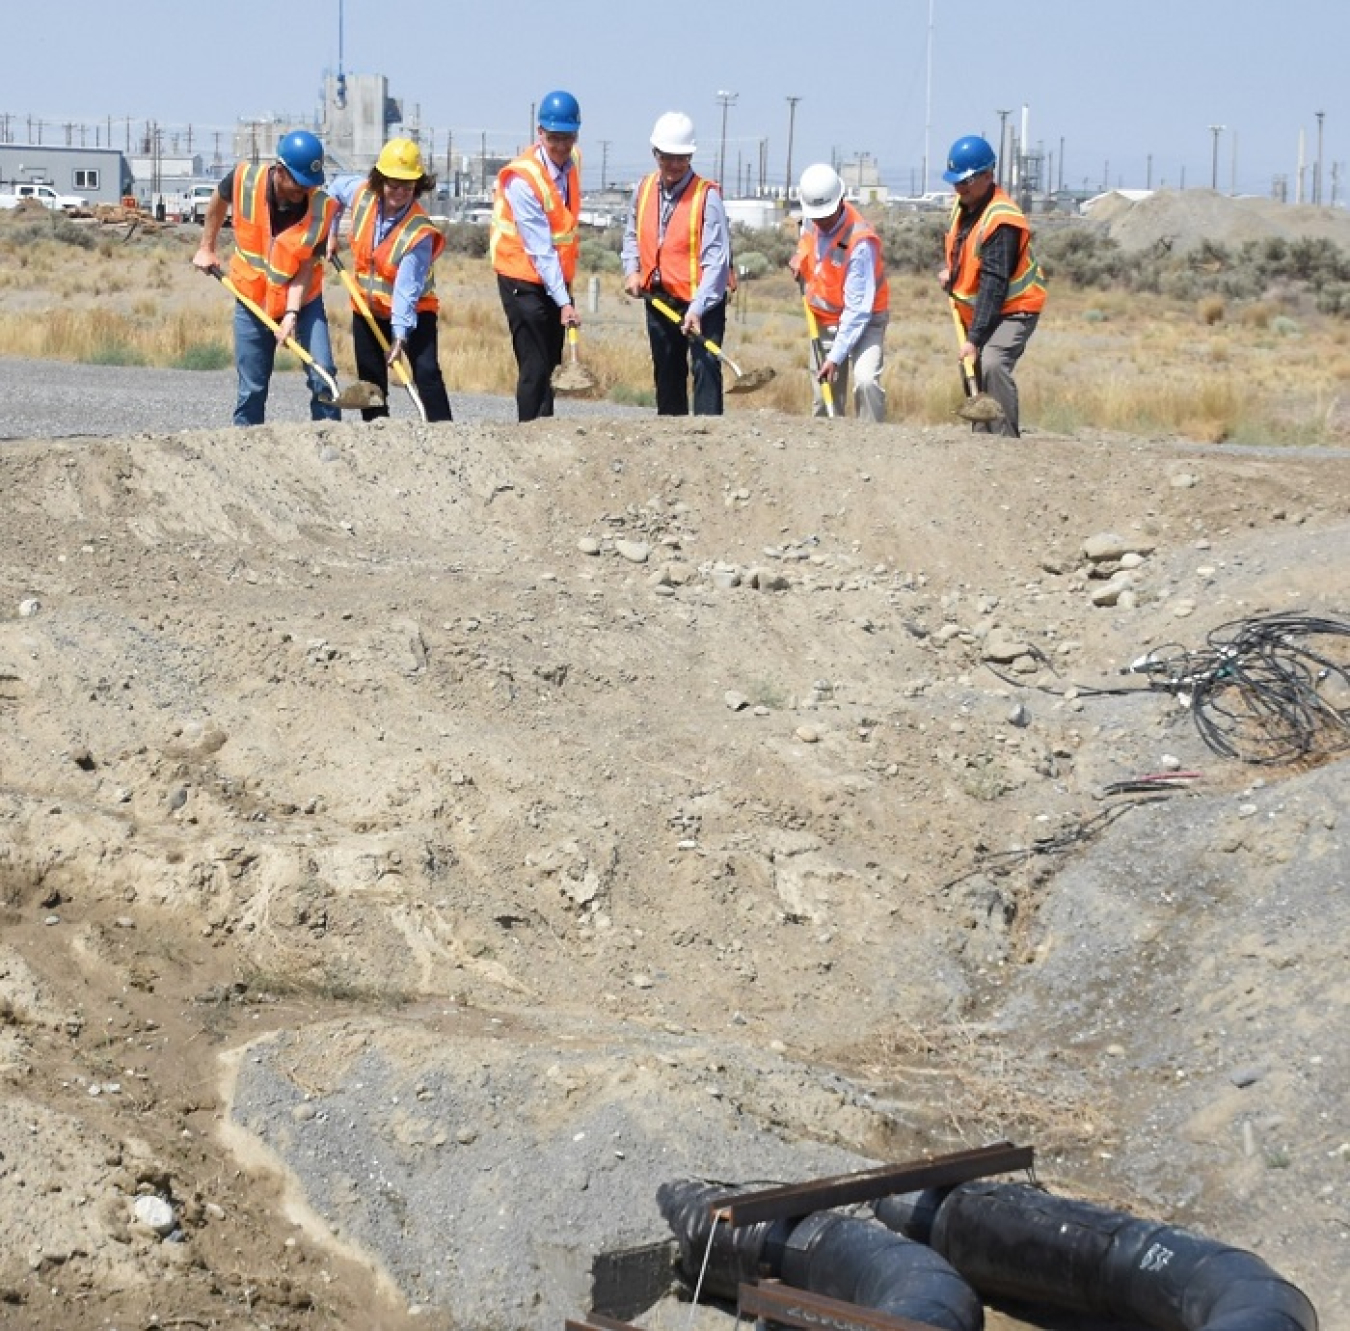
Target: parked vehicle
(46,195)
(199,200)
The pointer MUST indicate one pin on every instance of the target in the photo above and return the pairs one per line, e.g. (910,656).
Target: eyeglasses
(671,157)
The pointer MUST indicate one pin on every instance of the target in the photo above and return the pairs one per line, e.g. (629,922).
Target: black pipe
(838,1256)
(1014,1241)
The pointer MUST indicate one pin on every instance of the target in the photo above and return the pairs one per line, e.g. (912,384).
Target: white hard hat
(674,133)
(820,190)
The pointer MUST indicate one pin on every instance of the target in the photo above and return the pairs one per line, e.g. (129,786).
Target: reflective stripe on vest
(264,265)
(676,254)
(1026,286)
(508,253)
(825,278)
(377,266)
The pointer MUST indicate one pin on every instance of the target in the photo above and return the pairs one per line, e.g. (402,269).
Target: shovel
(817,352)
(572,377)
(746,380)
(401,364)
(979,408)
(360,394)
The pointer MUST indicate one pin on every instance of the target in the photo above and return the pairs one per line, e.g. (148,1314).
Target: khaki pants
(865,363)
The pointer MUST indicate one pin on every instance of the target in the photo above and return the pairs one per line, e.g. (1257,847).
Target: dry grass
(1207,369)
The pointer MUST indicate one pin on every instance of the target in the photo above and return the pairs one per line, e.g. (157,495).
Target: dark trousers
(673,354)
(537,338)
(424,353)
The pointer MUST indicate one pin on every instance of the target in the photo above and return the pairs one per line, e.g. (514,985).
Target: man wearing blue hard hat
(281,222)
(534,249)
(991,276)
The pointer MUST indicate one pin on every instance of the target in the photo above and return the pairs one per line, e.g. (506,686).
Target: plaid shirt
(997,261)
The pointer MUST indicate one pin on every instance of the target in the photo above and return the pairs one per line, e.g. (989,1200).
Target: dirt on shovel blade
(749,380)
(981,409)
(360,394)
(573,378)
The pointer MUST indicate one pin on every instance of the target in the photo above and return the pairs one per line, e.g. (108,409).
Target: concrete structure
(101,175)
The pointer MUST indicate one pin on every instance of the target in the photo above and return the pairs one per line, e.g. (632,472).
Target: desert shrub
(1081,257)
(752,264)
(596,257)
(1210,309)
(775,243)
(44,225)
(1285,326)
(114,351)
(204,356)
(467,238)
(1334,298)
(913,244)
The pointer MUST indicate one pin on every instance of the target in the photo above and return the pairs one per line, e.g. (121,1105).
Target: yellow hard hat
(400,159)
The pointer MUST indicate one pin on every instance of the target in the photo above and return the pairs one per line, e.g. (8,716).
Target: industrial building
(101,175)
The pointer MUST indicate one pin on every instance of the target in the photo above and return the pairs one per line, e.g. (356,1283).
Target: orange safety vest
(377,266)
(263,264)
(1026,287)
(508,253)
(676,254)
(824,278)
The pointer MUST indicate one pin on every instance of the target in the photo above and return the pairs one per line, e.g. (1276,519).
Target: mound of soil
(419,843)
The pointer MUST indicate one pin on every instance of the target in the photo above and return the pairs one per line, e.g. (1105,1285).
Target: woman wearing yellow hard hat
(394,244)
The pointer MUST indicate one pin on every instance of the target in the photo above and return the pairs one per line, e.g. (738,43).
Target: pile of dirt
(419,843)
(1181,220)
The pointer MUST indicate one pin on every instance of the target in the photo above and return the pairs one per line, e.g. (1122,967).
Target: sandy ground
(417,844)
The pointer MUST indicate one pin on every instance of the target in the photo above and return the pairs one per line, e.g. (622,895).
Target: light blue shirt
(860,288)
(536,236)
(714,254)
(413,268)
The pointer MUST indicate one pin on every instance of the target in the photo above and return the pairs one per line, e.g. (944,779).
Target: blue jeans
(255,354)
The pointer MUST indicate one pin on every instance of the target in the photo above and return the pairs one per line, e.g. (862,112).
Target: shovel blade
(358,395)
(573,379)
(982,409)
(749,380)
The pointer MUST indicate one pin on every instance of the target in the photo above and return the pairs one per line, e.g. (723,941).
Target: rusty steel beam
(785,1306)
(799,1199)
(598,1322)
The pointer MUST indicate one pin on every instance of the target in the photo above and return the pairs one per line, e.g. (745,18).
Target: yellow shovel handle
(257,310)
(359,300)
(818,353)
(967,362)
(673,315)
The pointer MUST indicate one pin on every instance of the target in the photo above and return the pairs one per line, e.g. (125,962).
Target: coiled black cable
(1267,690)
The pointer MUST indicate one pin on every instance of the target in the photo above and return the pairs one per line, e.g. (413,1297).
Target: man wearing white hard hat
(677,248)
(843,275)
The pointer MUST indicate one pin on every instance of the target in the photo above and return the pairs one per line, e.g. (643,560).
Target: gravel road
(55,400)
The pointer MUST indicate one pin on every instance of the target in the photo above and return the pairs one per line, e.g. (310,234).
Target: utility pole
(1317,175)
(604,163)
(726,99)
(1216,130)
(792,120)
(1002,177)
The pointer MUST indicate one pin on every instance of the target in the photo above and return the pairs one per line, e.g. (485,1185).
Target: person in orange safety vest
(534,246)
(677,248)
(843,275)
(281,223)
(394,244)
(991,276)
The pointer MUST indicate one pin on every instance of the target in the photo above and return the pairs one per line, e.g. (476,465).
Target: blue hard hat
(301,153)
(968,157)
(560,113)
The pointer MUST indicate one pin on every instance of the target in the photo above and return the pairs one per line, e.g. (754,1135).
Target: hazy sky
(1117,93)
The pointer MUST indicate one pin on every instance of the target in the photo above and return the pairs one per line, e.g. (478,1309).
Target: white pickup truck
(46,195)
